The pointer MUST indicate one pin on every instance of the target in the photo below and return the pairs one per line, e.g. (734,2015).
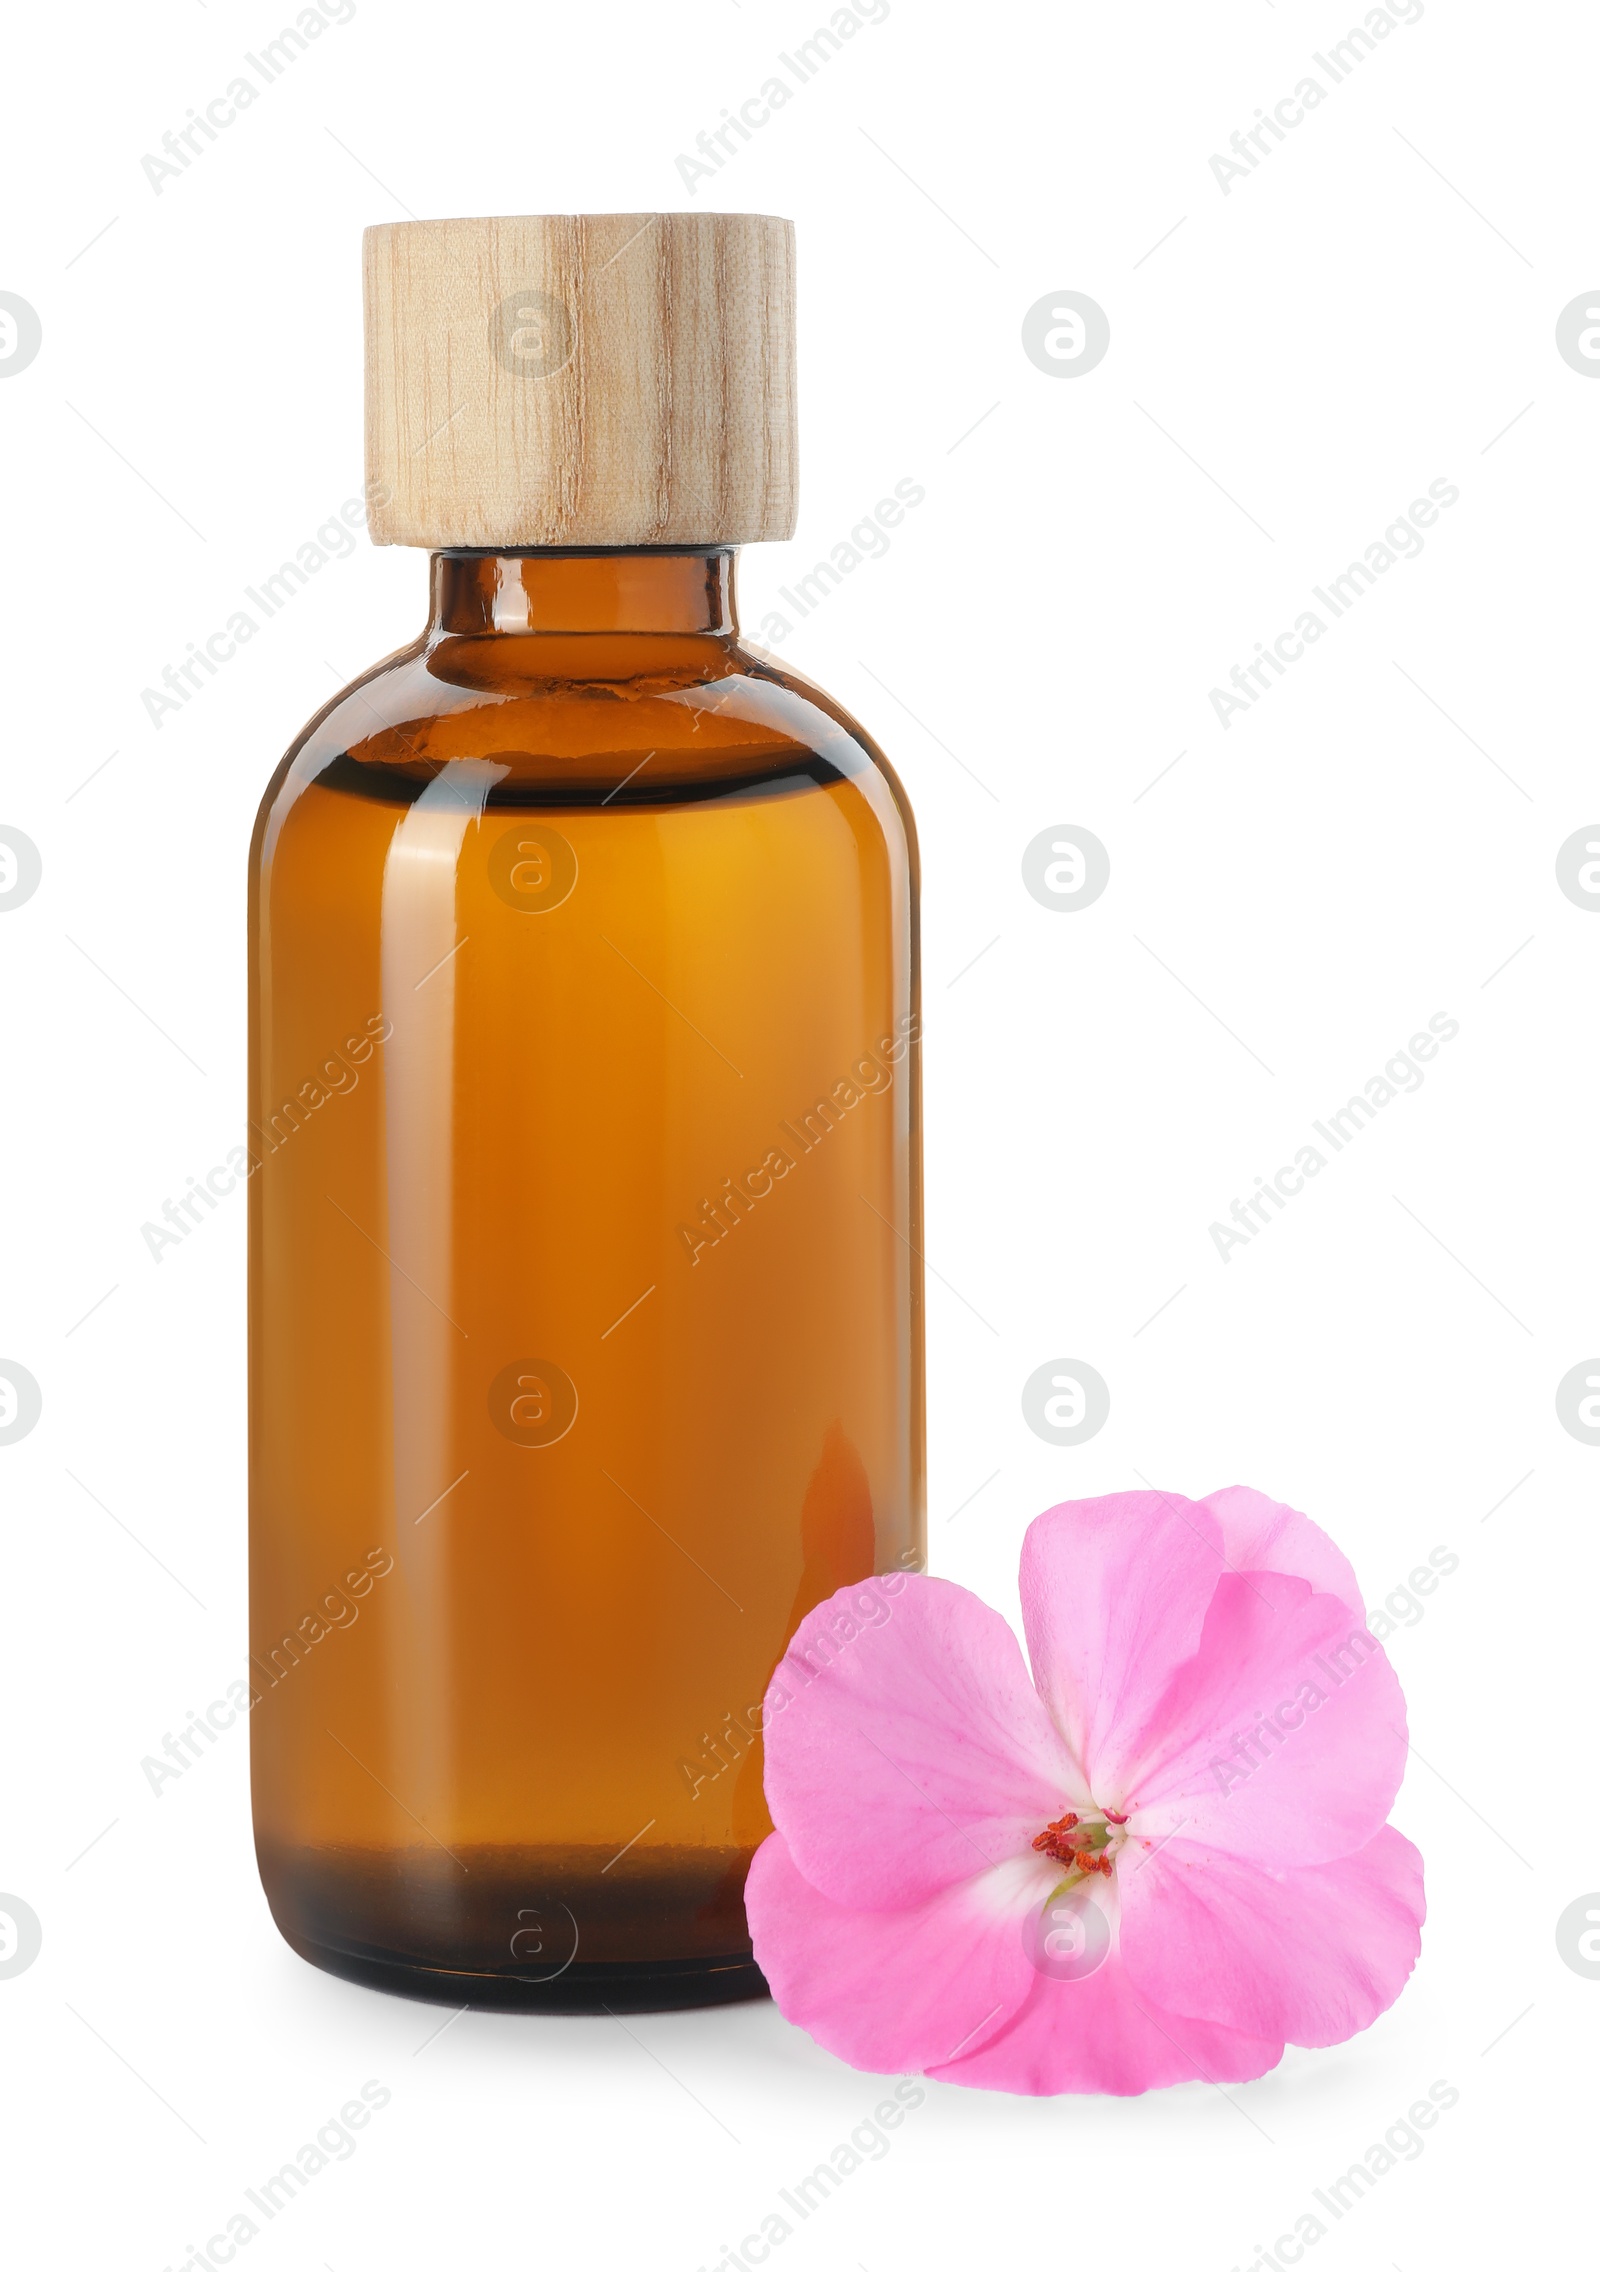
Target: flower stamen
(1080,1845)
(1057,1841)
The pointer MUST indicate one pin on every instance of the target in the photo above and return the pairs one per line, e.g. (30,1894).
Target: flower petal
(906,1748)
(1259,1533)
(1103,2034)
(894,1991)
(1311,1955)
(1114,1597)
(1283,1740)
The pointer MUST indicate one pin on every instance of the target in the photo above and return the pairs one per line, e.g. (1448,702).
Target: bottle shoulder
(588,721)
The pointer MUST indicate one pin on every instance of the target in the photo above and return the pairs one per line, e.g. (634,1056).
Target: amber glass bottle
(585,1231)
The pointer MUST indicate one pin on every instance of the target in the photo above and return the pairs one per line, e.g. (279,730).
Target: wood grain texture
(581,379)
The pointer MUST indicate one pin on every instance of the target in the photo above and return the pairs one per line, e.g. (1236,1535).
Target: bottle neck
(473,593)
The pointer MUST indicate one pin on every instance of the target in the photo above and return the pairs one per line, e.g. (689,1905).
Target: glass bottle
(585,1267)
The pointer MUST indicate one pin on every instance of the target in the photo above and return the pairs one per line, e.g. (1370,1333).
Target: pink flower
(1163,1858)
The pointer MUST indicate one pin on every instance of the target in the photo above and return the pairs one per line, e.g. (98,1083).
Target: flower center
(1086,1844)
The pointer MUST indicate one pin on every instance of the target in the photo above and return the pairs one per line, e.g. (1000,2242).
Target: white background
(1373,308)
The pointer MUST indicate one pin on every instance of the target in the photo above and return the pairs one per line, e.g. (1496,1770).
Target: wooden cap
(581,379)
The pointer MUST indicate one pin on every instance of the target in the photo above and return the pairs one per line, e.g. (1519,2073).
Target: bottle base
(521,1930)
(684,1984)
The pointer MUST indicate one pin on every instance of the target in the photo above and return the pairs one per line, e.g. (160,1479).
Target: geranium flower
(1163,1858)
